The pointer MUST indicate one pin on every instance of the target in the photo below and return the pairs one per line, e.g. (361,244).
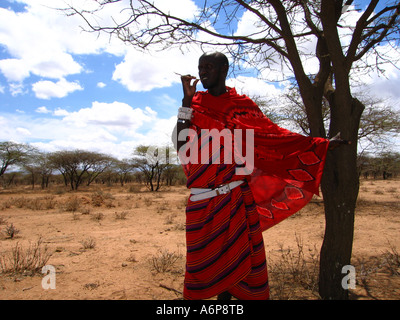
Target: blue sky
(61,88)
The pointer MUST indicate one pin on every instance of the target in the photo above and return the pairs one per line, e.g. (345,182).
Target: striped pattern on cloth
(225,248)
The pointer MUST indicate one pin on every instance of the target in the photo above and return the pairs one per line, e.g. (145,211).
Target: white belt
(200,193)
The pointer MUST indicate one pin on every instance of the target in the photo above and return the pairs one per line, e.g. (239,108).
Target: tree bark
(340,186)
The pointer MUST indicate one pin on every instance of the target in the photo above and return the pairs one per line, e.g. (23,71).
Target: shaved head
(218,57)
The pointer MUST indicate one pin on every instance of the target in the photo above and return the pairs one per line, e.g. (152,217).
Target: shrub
(88,243)
(98,216)
(25,261)
(72,204)
(121,215)
(164,261)
(10,231)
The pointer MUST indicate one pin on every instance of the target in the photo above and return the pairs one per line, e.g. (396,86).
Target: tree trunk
(340,195)
(340,185)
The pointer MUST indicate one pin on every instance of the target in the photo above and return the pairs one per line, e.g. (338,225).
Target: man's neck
(218,90)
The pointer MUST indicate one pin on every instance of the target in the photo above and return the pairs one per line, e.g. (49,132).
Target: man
(231,202)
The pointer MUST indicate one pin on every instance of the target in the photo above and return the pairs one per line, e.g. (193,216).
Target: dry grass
(294,275)
(164,261)
(27,261)
(72,204)
(11,231)
(88,243)
(98,216)
(47,202)
(121,215)
(295,272)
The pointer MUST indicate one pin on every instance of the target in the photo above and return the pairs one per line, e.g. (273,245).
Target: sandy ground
(135,231)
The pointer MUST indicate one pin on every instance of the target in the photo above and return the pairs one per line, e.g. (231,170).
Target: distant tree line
(384,166)
(23,164)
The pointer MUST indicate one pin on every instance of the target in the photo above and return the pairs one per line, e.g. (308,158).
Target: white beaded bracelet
(184,113)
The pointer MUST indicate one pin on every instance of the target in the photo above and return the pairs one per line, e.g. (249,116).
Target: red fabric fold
(287,166)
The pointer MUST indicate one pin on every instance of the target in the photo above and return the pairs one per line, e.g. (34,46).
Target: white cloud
(43,42)
(112,128)
(42,110)
(60,112)
(49,89)
(55,66)
(101,85)
(36,46)
(144,72)
(160,134)
(14,69)
(115,116)
(23,131)
(17,89)
(254,87)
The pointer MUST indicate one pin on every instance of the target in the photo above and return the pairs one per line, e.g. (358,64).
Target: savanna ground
(128,243)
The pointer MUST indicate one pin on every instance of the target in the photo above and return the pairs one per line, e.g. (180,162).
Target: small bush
(164,261)
(98,216)
(121,215)
(25,261)
(99,197)
(295,270)
(42,203)
(6,204)
(392,259)
(10,231)
(72,204)
(88,243)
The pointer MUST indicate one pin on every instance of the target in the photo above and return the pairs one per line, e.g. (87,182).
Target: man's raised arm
(184,113)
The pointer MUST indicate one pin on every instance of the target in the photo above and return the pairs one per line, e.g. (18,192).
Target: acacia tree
(77,165)
(12,153)
(153,162)
(123,168)
(38,164)
(282,30)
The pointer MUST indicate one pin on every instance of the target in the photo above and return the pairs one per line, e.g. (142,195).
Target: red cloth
(225,248)
(288,166)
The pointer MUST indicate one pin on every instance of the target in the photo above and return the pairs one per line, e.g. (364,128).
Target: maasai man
(234,197)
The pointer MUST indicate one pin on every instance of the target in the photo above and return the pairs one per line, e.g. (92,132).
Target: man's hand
(188,89)
(336,141)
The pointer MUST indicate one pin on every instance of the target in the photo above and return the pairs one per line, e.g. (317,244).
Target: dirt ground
(127,243)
